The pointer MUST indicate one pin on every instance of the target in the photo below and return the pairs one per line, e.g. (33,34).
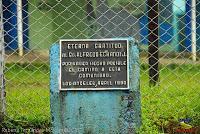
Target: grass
(27,88)
(176,97)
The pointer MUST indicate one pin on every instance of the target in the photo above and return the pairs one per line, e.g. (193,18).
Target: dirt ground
(28,57)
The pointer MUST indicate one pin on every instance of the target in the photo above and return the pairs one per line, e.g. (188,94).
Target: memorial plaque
(94,64)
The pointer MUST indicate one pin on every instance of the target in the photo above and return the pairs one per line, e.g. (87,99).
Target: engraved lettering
(94,64)
(77,46)
(108,45)
(114,69)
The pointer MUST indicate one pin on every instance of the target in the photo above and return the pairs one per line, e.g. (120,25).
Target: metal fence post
(193,34)
(20,27)
(2,90)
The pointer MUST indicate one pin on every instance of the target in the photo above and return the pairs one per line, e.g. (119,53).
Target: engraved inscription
(94,64)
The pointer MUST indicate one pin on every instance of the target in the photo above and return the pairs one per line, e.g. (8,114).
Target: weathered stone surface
(95,112)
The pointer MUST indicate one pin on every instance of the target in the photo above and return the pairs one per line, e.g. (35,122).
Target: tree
(153,41)
(90,10)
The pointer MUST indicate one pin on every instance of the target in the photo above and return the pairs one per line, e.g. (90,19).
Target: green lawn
(176,97)
(27,88)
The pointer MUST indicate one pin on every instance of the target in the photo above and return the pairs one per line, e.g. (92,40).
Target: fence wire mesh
(29,27)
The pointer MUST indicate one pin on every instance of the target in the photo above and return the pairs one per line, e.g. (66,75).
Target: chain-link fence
(29,27)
